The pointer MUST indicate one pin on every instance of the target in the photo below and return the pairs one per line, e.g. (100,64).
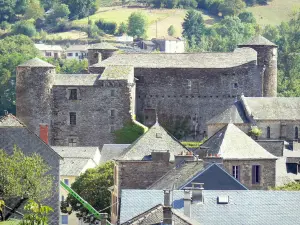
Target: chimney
(187,202)
(44,133)
(197,195)
(103,219)
(167,209)
(160,156)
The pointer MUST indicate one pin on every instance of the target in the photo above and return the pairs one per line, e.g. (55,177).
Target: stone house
(208,207)
(14,133)
(76,160)
(242,157)
(185,90)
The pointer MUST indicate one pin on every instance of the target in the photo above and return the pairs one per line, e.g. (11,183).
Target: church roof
(232,143)
(155,139)
(183,60)
(36,62)
(273,108)
(233,114)
(102,46)
(258,41)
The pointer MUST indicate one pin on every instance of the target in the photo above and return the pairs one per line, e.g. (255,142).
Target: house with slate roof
(242,157)
(208,207)
(87,108)
(13,132)
(76,160)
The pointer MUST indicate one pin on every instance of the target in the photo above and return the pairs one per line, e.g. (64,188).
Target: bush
(171,30)
(62,25)
(128,133)
(5,25)
(24,27)
(247,17)
(255,132)
(122,29)
(107,27)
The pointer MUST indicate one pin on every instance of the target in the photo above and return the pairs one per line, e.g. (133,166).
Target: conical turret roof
(36,62)
(258,41)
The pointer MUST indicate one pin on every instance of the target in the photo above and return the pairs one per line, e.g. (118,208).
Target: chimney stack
(187,202)
(103,219)
(197,195)
(167,208)
(44,133)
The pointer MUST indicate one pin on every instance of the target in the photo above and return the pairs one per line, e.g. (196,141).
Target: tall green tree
(34,10)
(92,186)
(80,8)
(7,10)
(137,24)
(193,26)
(73,66)
(232,7)
(59,11)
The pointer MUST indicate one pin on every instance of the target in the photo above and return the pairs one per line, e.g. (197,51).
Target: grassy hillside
(164,18)
(274,13)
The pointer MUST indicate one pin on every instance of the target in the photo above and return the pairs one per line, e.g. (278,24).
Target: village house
(51,51)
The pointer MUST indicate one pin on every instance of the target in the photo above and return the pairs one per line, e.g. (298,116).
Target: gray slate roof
(36,62)
(234,114)
(112,151)
(183,60)
(83,48)
(245,207)
(213,176)
(117,72)
(155,139)
(232,143)
(273,108)
(102,46)
(88,152)
(75,166)
(258,41)
(154,216)
(75,79)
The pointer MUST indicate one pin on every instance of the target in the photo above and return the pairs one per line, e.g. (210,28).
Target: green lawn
(274,13)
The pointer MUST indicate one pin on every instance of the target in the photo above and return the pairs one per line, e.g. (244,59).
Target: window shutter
(253,174)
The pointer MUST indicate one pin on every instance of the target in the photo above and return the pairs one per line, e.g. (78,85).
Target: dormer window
(235,85)
(158,135)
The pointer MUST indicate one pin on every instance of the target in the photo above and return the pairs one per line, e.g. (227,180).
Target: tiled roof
(246,207)
(102,46)
(75,166)
(76,152)
(155,139)
(154,216)
(10,121)
(259,41)
(77,48)
(273,108)
(75,79)
(43,47)
(183,60)
(232,143)
(234,114)
(36,62)
(112,151)
(117,72)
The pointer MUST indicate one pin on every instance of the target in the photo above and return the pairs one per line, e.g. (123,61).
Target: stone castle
(184,90)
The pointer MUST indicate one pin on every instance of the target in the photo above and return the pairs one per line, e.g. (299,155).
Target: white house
(77,52)
(54,51)
(170,44)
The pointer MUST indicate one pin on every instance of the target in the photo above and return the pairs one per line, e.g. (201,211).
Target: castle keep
(184,90)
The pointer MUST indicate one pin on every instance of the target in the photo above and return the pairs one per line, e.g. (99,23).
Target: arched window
(268,132)
(296,132)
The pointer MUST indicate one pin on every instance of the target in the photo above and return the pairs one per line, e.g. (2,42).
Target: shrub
(255,132)
(107,27)
(24,27)
(122,29)
(128,133)
(171,30)
(5,25)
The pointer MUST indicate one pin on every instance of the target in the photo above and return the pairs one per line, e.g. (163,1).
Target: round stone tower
(267,63)
(35,79)
(100,51)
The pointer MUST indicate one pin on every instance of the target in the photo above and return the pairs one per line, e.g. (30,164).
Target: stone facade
(267,172)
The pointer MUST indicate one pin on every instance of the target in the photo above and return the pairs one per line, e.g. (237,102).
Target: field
(70,35)
(159,20)
(276,12)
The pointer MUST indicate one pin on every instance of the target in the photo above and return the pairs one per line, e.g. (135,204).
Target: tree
(24,27)
(107,27)
(24,176)
(34,10)
(80,8)
(247,17)
(232,7)
(74,66)
(59,11)
(137,24)
(92,186)
(122,28)
(171,30)
(7,10)
(193,26)
(14,50)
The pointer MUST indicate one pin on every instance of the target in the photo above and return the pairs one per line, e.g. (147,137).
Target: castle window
(112,128)
(72,94)
(189,84)
(268,132)
(255,174)
(235,85)
(296,133)
(112,93)
(236,172)
(112,113)
(72,142)
(72,118)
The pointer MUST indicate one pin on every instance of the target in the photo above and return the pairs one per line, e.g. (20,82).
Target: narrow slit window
(112,113)
(236,172)
(256,174)
(296,133)
(268,132)
(72,118)
(73,94)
